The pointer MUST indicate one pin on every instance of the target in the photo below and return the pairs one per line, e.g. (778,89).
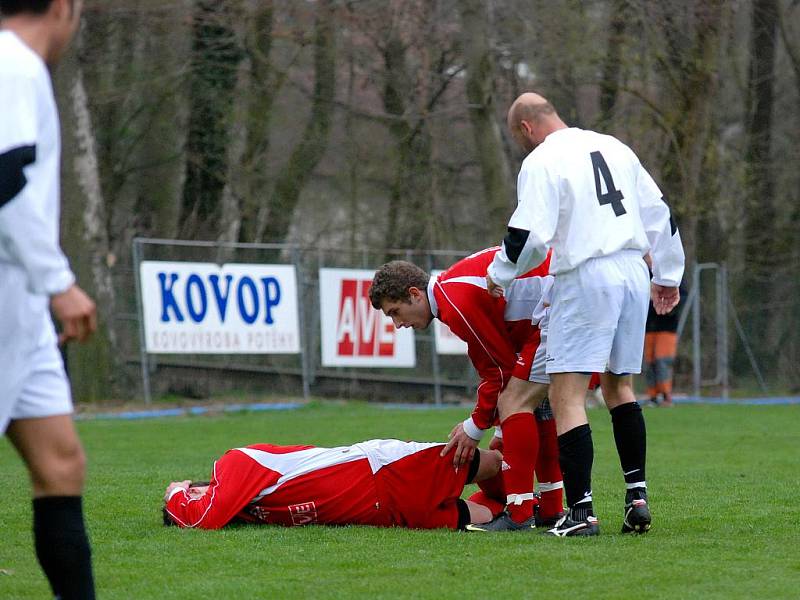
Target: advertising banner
(205,308)
(353,333)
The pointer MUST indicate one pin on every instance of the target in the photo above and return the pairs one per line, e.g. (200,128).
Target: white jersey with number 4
(586,195)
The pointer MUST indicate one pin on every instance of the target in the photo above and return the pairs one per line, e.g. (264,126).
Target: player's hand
(493,289)
(77,314)
(464,445)
(664,298)
(496,444)
(177,484)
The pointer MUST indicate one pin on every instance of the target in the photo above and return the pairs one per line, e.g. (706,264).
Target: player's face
(415,313)
(66,19)
(196,492)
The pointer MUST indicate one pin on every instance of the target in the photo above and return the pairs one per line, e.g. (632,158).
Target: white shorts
(539,369)
(598,315)
(33,383)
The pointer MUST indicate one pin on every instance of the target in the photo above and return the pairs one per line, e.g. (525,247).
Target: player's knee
(617,389)
(491,463)
(62,473)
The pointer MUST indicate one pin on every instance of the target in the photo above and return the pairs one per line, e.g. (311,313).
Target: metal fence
(703,360)
(436,377)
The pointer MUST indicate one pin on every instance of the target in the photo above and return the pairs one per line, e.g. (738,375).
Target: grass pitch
(723,489)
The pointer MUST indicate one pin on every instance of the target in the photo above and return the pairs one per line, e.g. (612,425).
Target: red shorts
(422,490)
(530,365)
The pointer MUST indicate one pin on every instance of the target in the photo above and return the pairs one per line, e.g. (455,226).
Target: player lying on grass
(506,340)
(386,483)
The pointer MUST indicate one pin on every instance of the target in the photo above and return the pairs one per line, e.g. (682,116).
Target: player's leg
(586,304)
(520,444)
(627,419)
(520,447)
(548,470)
(650,366)
(52,451)
(630,436)
(576,452)
(489,478)
(478,512)
(515,408)
(666,345)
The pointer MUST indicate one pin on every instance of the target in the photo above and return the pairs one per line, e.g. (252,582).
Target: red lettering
(361,330)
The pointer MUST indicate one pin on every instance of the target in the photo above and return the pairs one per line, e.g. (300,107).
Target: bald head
(531,118)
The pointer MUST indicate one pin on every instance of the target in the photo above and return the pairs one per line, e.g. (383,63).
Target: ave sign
(354,333)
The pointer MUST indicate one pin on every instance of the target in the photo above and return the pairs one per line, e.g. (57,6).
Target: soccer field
(723,488)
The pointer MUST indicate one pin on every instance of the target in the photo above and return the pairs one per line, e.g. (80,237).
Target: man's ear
(415,293)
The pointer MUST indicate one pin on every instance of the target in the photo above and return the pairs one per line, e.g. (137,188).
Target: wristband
(472,430)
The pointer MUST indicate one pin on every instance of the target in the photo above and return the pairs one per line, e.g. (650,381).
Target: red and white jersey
(496,330)
(586,195)
(377,482)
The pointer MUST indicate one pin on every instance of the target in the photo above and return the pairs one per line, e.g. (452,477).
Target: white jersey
(32,266)
(586,195)
(30,149)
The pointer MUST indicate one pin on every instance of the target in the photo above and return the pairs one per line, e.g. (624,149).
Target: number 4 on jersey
(612,196)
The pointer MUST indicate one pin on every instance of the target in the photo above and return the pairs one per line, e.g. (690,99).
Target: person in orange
(660,348)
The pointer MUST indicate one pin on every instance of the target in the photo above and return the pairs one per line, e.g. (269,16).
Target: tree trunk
(314,141)
(495,171)
(215,58)
(761,243)
(94,367)
(612,64)
(261,97)
(760,210)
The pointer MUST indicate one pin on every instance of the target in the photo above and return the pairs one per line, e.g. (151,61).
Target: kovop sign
(204,308)
(354,333)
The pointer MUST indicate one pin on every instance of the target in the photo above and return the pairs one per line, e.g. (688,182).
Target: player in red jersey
(385,483)
(505,339)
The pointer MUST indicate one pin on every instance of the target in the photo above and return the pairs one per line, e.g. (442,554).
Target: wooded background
(381,124)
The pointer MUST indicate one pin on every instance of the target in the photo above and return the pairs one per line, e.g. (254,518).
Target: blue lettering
(271,299)
(168,298)
(222,300)
(195,281)
(247,282)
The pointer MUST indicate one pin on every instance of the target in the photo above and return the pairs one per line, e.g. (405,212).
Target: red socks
(520,449)
(548,471)
(493,505)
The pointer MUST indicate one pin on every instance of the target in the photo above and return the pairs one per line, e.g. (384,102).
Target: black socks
(576,454)
(631,438)
(63,547)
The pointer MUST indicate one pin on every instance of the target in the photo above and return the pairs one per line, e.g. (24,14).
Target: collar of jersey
(432,298)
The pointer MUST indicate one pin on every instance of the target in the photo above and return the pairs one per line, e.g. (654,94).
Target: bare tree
(95,366)
(314,141)
(479,58)
(216,53)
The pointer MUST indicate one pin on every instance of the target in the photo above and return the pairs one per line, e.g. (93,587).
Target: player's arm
(531,228)
(236,479)
(491,355)
(666,248)
(25,229)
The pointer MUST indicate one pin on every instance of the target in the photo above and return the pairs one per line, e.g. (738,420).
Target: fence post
(437,385)
(696,331)
(722,320)
(302,323)
(143,359)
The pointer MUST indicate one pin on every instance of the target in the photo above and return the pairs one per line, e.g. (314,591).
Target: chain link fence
(715,351)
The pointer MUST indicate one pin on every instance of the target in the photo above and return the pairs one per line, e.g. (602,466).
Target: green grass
(723,487)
